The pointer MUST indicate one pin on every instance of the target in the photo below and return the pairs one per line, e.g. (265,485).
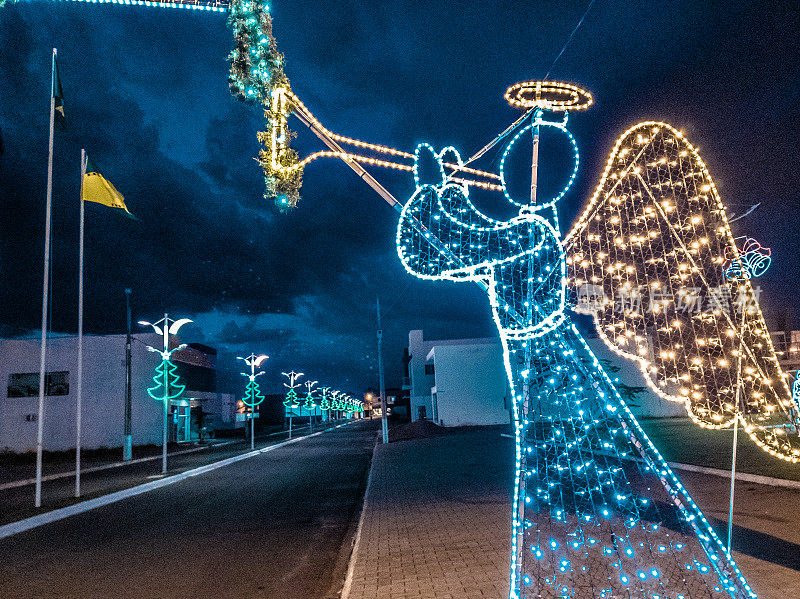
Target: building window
(26,384)
(428,368)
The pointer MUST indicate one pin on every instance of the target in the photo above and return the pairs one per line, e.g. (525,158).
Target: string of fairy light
(590,488)
(282,165)
(586,499)
(656,230)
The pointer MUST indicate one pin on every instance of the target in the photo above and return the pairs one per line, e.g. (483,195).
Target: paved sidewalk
(436,519)
(436,522)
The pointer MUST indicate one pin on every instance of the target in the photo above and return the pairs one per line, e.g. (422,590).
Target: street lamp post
(127,448)
(324,404)
(253,396)
(310,404)
(166,370)
(291,401)
(384,422)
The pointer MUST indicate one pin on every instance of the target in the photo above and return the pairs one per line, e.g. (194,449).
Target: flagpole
(79,407)
(45,288)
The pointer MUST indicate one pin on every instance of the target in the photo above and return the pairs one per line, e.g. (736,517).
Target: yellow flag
(97,188)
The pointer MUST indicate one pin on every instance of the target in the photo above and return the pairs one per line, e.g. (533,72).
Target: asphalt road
(273,526)
(17,503)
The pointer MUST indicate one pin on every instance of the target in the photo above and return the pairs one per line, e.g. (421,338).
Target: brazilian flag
(96,188)
(58,96)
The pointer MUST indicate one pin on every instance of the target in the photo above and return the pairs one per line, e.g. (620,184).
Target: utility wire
(569,39)
(514,125)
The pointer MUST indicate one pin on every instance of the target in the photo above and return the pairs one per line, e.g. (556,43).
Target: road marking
(13,528)
(29,481)
(348,580)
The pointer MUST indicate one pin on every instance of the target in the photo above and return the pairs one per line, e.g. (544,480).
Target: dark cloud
(147,96)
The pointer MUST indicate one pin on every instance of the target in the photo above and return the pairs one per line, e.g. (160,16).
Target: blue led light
(577,441)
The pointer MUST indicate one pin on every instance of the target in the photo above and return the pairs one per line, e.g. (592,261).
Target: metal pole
(252,427)
(79,405)
(534,162)
(45,289)
(166,399)
(127,448)
(290,425)
(384,421)
(735,442)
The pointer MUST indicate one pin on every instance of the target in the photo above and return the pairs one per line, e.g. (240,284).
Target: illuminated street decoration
(256,64)
(592,494)
(656,236)
(324,403)
(212,6)
(283,168)
(253,395)
(167,387)
(336,403)
(796,390)
(311,402)
(751,262)
(292,402)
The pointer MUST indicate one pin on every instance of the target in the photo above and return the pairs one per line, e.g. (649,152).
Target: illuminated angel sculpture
(597,511)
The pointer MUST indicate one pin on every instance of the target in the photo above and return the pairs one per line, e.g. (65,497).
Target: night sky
(146,94)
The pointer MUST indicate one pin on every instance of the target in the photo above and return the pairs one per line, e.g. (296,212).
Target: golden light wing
(649,249)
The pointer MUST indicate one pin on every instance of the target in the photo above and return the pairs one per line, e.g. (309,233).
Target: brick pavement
(436,522)
(437,519)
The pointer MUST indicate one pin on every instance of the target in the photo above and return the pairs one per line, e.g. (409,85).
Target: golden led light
(548,95)
(656,192)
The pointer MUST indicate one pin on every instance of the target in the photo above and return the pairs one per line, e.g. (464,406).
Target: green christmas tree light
(324,403)
(292,402)
(253,395)
(166,379)
(311,402)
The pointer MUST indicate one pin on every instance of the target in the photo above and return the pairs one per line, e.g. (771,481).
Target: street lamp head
(144,323)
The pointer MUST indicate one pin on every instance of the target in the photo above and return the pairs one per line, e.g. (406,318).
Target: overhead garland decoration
(256,71)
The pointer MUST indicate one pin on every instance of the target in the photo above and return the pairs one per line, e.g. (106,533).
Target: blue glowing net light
(597,511)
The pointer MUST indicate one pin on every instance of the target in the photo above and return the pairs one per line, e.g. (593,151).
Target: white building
(103,394)
(787,345)
(457,382)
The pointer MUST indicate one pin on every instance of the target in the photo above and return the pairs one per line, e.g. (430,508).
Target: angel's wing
(652,245)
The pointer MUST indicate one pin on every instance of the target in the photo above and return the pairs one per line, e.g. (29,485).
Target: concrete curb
(13,528)
(348,580)
(740,476)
